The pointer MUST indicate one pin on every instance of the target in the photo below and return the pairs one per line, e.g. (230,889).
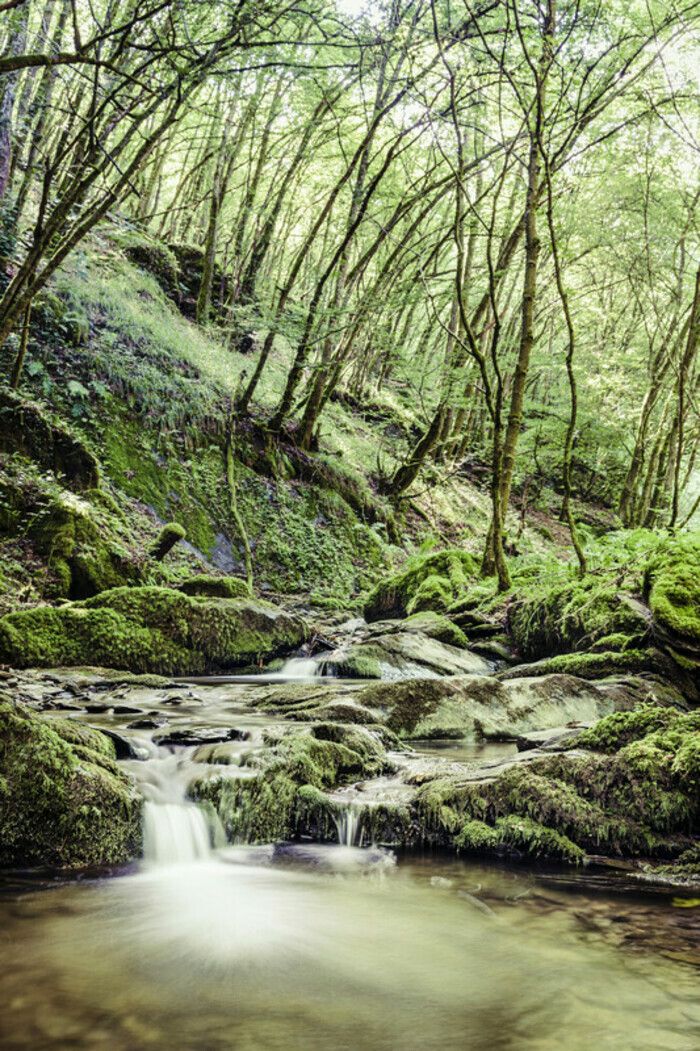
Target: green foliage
(63,800)
(427,582)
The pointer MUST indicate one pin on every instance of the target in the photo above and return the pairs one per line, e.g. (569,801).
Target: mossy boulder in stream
(149,629)
(629,786)
(286,794)
(63,800)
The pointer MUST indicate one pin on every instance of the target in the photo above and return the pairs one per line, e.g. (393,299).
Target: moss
(428,582)
(80,551)
(515,834)
(215,587)
(672,589)
(621,728)
(437,626)
(170,534)
(149,629)
(288,796)
(592,665)
(631,787)
(570,616)
(405,704)
(63,800)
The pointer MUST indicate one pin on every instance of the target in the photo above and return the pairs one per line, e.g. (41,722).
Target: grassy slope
(148,391)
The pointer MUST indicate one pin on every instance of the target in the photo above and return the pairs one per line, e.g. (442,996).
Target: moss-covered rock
(427,582)
(573,615)
(157,259)
(631,786)
(672,589)
(354,662)
(170,534)
(26,427)
(287,795)
(83,556)
(436,626)
(63,800)
(149,629)
(215,587)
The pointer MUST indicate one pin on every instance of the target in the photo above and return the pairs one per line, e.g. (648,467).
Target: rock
(436,626)
(149,723)
(479,706)
(410,648)
(150,629)
(63,800)
(123,748)
(427,582)
(672,590)
(186,735)
(556,739)
(215,587)
(629,787)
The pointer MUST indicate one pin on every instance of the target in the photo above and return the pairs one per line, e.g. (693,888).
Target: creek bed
(322,947)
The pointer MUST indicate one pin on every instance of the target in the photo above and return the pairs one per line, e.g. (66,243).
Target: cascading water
(299,668)
(349,824)
(175,830)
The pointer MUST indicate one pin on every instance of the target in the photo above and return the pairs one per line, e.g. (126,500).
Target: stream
(319,947)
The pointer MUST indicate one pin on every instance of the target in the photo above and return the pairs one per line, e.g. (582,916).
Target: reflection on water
(337,948)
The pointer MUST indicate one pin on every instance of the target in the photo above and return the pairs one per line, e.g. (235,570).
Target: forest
(350,523)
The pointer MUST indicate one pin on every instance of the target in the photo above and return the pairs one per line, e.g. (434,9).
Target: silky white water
(298,668)
(348,821)
(175,830)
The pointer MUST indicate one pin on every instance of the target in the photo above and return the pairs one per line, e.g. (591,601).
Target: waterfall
(175,830)
(348,822)
(175,833)
(299,668)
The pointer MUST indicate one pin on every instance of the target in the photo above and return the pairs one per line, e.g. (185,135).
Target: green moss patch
(63,800)
(427,582)
(149,629)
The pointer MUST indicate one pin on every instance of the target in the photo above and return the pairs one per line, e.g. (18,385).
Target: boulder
(465,706)
(150,629)
(427,582)
(63,800)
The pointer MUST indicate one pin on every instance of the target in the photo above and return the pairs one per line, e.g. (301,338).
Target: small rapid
(176,831)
